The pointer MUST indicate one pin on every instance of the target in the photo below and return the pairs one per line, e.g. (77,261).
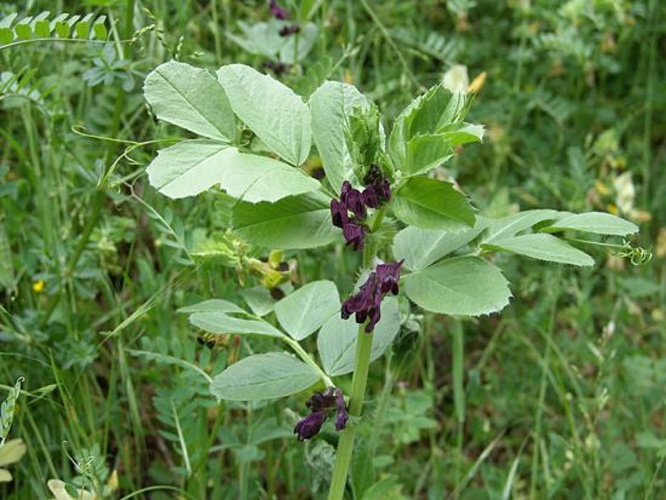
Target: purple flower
(276,67)
(360,303)
(289,30)
(342,416)
(370,197)
(310,425)
(321,404)
(383,191)
(277,11)
(350,210)
(377,185)
(339,213)
(354,235)
(353,199)
(388,276)
(366,304)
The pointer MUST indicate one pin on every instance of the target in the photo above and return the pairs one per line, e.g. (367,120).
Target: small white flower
(625,192)
(456,79)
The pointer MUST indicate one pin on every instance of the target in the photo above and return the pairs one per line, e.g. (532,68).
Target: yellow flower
(477,83)
(38,286)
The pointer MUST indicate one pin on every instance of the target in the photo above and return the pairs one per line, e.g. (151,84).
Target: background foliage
(561,395)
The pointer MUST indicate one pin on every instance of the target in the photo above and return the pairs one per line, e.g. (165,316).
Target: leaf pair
(315,306)
(208,106)
(469,285)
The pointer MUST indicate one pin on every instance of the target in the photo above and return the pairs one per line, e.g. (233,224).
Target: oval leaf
(294,222)
(272,110)
(189,167)
(256,178)
(212,305)
(191,98)
(336,341)
(301,313)
(595,222)
(511,225)
(263,376)
(422,247)
(431,204)
(221,323)
(467,286)
(330,108)
(543,247)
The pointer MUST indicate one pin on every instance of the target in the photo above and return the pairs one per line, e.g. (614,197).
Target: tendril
(638,256)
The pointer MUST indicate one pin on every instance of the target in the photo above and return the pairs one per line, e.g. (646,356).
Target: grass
(559,396)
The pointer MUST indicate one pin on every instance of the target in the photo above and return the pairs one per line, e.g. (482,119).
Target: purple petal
(277,11)
(354,235)
(310,425)
(289,30)
(354,201)
(339,214)
(370,197)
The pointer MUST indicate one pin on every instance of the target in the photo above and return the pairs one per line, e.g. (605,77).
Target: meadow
(160,339)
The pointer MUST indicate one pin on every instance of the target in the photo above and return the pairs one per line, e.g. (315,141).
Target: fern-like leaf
(428,43)
(63,26)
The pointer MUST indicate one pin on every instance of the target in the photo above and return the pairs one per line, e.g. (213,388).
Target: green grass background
(559,396)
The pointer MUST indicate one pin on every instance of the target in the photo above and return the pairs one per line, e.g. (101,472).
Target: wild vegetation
(119,341)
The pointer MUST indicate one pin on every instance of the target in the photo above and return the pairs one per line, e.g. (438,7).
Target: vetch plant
(421,240)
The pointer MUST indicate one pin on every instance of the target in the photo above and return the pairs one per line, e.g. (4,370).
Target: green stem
(346,444)
(307,359)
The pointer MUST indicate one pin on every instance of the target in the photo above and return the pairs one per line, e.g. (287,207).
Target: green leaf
(425,152)
(301,313)
(542,247)
(298,46)
(279,117)
(263,376)
(511,225)
(432,204)
(189,167)
(336,341)
(330,108)
(264,39)
(99,28)
(60,25)
(191,98)
(212,305)
(422,247)
(258,299)
(23,29)
(221,323)
(462,133)
(294,222)
(467,286)
(82,28)
(6,33)
(12,451)
(259,38)
(593,222)
(256,178)
(429,114)
(41,25)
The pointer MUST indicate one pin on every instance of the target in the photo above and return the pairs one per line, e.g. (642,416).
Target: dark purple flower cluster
(276,67)
(321,404)
(282,14)
(366,303)
(278,12)
(290,29)
(349,211)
